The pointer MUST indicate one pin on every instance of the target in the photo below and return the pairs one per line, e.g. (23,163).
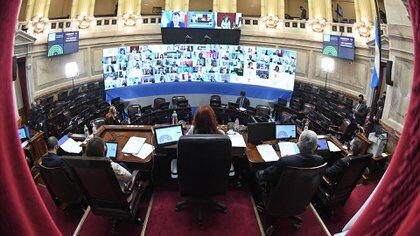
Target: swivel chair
(288,200)
(107,199)
(203,165)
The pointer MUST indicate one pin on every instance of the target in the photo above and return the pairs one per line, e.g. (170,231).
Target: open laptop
(168,135)
(259,132)
(23,133)
(286,132)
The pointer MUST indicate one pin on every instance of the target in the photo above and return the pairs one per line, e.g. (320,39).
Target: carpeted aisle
(240,219)
(65,223)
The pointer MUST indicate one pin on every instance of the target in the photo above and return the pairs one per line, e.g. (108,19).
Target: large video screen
(200,19)
(63,43)
(338,46)
(143,64)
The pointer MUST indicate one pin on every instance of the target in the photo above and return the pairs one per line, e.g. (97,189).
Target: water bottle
(174,118)
(236,125)
(86,130)
(306,125)
(94,129)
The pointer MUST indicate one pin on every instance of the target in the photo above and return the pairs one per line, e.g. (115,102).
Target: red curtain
(22,209)
(395,207)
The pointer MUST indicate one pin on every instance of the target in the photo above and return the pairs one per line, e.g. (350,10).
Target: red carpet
(240,219)
(310,226)
(65,223)
(343,214)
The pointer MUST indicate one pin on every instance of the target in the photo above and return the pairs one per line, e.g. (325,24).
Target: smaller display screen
(168,135)
(200,20)
(322,145)
(285,131)
(111,150)
(63,43)
(22,133)
(339,46)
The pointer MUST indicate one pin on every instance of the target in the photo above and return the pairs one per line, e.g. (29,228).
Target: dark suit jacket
(272,174)
(361,113)
(52,160)
(171,25)
(335,172)
(112,121)
(246,101)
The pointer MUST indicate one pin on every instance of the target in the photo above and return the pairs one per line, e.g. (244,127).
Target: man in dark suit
(335,172)
(51,159)
(360,111)
(176,21)
(303,13)
(308,142)
(242,101)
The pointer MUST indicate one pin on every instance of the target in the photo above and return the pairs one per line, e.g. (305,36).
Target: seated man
(335,172)
(308,142)
(96,148)
(242,100)
(51,159)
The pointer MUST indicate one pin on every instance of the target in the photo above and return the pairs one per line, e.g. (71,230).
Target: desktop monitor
(285,132)
(111,149)
(322,145)
(259,132)
(168,135)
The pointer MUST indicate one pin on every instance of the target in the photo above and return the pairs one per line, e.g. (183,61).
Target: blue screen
(63,43)
(322,145)
(285,131)
(339,46)
(111,150)
(22,133)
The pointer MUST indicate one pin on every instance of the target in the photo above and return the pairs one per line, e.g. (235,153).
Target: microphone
(206,38)
(188,38)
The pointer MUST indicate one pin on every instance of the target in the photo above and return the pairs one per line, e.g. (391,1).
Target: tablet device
(22,133)
(322,145)
(284,132)
(168,135)
(111,149)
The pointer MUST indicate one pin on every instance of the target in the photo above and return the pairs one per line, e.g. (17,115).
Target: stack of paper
(133,145)
(333,147)
(267,152)
(288,148)
(71,146)
(145,150)
(237,140)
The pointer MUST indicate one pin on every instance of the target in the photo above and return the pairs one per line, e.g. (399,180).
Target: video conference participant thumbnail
(176,19)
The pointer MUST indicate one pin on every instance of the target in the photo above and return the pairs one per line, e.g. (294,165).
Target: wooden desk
(121,134)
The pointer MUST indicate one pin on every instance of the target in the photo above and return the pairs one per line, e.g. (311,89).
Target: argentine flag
(377,63)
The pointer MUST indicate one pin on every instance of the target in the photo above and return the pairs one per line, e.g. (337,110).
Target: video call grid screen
(201,19)
(261,66)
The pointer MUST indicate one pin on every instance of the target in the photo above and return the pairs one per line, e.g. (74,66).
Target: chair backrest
(307,108)
(262,110)
(133,109)
(158,101)
(203,164)
(97,123)
(176,99)
(99,185)
(351,176)
(215,101)
(60,184)
(294,190)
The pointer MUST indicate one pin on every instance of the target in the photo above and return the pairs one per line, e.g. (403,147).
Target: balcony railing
(42,28)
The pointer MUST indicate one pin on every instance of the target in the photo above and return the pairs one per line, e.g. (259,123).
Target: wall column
(364,11)
(177,5)
(82,8)
(37,8)
(318,9)
(272,8)
(224,6)
(129,7)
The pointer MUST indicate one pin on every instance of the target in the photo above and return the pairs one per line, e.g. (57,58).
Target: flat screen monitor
(63,43)
(201,20)
(168,135)
(285,132)
(23,133)
(259,132)
(322,145)
(111,149)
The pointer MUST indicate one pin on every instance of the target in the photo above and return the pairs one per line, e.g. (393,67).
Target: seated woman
(112,117)
(96,148)
(204,122)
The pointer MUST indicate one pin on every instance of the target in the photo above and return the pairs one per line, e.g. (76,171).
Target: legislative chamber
(210,117)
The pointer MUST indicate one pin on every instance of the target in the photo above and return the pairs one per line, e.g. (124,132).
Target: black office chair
(99,185)
(332,193)
(292,194)
(262,113)
(62,188)
(177,99)
(215,101)
(203,169)
(157,102)
(133,110)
